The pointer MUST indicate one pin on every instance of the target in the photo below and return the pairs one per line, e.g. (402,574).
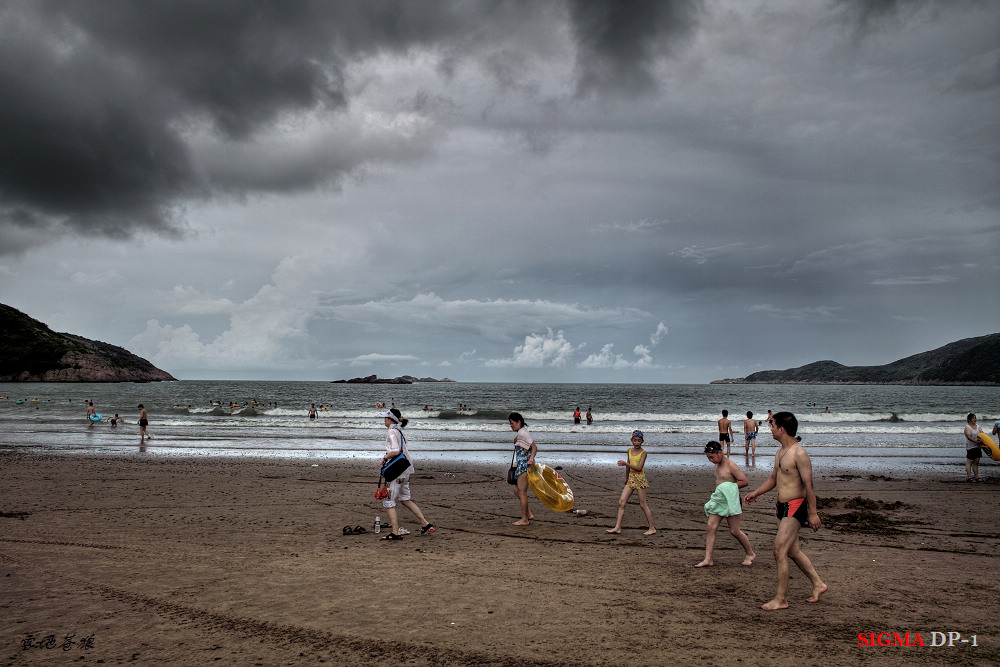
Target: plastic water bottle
(580,512)
(378,524)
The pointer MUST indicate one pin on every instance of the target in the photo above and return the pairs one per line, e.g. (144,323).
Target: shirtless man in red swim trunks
(796,507)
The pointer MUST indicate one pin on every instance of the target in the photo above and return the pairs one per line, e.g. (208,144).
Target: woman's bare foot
(774,604)
(749,559)
(650,531)
(817,591)
(614,531)
(705,563)
(522,522)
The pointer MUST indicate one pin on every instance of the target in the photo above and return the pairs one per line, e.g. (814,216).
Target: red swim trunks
(797,509)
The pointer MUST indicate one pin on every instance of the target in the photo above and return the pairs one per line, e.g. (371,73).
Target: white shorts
(399,489)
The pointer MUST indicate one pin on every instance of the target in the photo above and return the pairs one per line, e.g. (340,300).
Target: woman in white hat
(399,488)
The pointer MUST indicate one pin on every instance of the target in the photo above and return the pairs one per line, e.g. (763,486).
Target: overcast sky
(599,191)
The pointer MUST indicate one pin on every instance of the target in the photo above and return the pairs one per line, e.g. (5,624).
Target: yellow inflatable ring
(550,488)
(987,444)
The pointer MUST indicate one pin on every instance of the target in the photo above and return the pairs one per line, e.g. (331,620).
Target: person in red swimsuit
(792,476)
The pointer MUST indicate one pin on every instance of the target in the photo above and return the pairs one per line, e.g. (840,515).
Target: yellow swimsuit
(636,480)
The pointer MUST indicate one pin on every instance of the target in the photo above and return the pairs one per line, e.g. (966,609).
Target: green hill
(31,352)
(971,361)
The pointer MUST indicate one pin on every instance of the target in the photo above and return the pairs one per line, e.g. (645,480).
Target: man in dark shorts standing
(143,423)
(792,475)
(726,431)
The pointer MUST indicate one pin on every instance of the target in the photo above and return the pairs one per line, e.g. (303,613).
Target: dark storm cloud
(75,144)
(873,14)
(100,98)
(618,41)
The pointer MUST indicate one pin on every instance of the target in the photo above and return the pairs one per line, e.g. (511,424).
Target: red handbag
(381,492)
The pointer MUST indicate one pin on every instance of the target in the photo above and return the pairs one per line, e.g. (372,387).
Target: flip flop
(392,536)
(348,530)
(429,528)
(360,530)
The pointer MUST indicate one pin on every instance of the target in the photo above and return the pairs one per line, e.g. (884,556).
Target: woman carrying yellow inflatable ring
(524,456)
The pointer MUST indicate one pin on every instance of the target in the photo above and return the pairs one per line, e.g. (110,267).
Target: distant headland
(31,352)
(404,379)
(971,361)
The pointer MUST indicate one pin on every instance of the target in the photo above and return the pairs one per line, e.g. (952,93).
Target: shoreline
(176,560)
(931,460)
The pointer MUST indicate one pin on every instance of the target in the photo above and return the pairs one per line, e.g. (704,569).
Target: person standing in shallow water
(726,431)
(792,477)
(143,423)
(524,456)
(973,449)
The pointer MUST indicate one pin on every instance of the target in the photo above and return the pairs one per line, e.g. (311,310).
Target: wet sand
(242,561)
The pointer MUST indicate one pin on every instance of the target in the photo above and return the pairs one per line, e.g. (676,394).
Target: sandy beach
(242,561)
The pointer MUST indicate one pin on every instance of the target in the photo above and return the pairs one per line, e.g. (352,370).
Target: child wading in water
(725,502)
(635,479)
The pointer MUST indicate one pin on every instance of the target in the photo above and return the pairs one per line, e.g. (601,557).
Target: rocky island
(403,379)
(31,352)
(970,361)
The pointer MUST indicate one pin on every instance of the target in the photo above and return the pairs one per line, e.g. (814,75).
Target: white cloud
(631,226)
(95,278)
(905,281)
(659,334)
(497,319)
(701,254)
(607,358)
(645,359)
(376,358)
(546,350)
(266,331)
(809,313)
(187,300)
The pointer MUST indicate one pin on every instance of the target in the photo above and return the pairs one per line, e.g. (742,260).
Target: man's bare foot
(614,531)
(650,531)
(705,563)
(749,559)
(522,522)
(774,604)
(817,591)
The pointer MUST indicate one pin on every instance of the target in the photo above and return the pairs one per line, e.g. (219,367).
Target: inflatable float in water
(550,488)
(986,442)
(95,418)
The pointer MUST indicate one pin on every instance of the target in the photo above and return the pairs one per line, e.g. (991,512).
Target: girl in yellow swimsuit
(635,480)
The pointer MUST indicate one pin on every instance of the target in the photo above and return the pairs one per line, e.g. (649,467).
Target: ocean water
(866,425)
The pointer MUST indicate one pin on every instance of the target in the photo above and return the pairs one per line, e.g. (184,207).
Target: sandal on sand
(392,536)
(429,528)
(348,530)
(360,530)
